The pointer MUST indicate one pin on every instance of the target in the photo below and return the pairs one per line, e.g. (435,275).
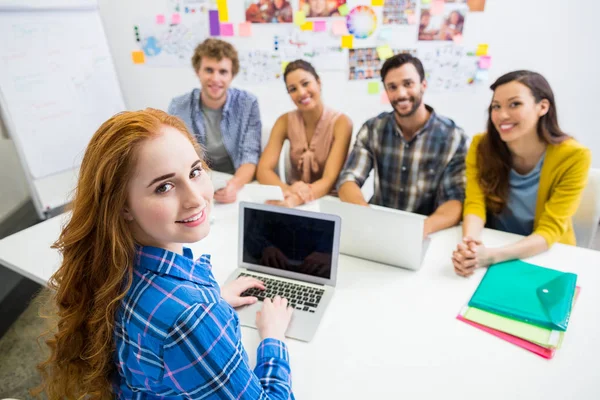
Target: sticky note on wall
(245,29)
(339,27)
(307,26)
(384,52)
(437,7)
(319,26)
(384,99)
(138,57)
(373,88)
(160,19)
(223,12)
(213,20)
(482,49)
(226,29)
(344,10)
(347,41)
(485,62)
(175,18)
(377,2)
(299,18)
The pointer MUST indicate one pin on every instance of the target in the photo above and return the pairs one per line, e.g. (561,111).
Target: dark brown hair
(399,60)
(494,159)
(300,64)
(217,49)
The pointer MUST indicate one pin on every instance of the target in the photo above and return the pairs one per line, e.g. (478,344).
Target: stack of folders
(524,304)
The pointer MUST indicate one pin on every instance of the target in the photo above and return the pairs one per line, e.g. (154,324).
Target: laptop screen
(292,243)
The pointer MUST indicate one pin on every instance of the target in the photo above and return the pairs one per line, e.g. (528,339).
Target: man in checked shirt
(418,155)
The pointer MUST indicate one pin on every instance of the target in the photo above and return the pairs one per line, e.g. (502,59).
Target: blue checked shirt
(241,128)
(415,176)
(176,337)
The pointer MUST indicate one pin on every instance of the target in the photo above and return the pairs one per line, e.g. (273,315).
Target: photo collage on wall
(366,64)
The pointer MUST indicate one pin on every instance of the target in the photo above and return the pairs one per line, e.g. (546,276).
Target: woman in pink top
(319,140)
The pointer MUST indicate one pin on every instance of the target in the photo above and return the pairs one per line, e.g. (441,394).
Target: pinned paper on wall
(384,99)
(245,29)
(339,27)
(344,10)
(138,57)
(175,18)
(377,2)
(437,7)
(482,49)
(160,19)
(222,9)
(384,52)
(307,26)
(226,29)
(299,18)
(373,88)
(448,68)
(399,12)
(347,41)
(425,2)
(259,66)
(485,62)
(385,33)
(213,19)
(319,26)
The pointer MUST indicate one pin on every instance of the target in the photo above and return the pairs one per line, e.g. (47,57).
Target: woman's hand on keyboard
(274,318)
(231,292)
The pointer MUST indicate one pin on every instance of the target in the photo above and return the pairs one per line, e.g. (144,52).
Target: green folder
(527,292)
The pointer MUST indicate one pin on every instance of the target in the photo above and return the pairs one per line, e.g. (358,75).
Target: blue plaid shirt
(241,128)
(415,176)
(176,337)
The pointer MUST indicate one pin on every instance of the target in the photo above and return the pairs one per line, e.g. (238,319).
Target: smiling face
(169,195)
(304,89)
(318,7)
(404,89)
(514,111)
(215,77)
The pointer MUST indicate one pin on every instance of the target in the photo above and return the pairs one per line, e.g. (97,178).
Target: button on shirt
(415,176)
(176,338)
(240,123)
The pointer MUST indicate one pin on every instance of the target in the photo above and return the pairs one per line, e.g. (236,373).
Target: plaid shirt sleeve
(360,161)
(452,184)
(204,358)
(253,137)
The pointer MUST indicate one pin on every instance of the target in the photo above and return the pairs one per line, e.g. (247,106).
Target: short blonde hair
(218,49)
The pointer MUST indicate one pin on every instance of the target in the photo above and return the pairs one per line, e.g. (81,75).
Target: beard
(416,103)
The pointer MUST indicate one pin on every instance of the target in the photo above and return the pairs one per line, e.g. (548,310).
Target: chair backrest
(587,217)
(285,163)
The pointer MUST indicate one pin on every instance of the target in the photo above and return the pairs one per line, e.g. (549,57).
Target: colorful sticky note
(284,65)
(222,9)
(213,20)
(384,98)
(411,19)
(437,7)
(458,38)
(160,19)
(482,75)
(138,57)
(425,2)
(373,88)
(339,27)
(307,26)
(482,49)
(347,41)
(226,29)
(384,52)
(319,26)
(377,2)
(344,10)
(476,5)
(245,29)
(485,62)
(299,18)
(175,18)
(385,34)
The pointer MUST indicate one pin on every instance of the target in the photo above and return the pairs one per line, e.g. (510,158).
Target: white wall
(553,37)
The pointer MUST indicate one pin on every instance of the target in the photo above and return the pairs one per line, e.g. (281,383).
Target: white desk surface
(390,333)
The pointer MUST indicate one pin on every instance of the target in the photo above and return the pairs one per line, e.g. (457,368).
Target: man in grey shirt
(225,121)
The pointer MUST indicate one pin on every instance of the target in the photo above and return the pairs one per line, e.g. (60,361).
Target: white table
(390,333)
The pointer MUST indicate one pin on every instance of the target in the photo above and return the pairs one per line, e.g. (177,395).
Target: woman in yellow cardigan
(525,175)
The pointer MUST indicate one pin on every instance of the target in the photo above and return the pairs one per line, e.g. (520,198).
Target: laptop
(295,254)
(380,234)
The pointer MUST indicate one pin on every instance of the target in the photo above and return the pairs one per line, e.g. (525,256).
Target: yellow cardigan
(562,180)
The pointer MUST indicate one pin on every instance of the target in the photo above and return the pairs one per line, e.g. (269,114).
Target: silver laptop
(295,253)
(380,234)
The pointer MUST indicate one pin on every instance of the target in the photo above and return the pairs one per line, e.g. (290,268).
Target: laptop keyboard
(300,297)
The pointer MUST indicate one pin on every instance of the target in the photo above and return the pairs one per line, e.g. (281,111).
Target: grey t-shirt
(219,159)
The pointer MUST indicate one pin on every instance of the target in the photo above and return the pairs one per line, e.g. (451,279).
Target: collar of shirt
(424,129)
(197,100)
(165,262)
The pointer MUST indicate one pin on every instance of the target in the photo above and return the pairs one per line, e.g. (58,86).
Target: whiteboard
(57,85)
